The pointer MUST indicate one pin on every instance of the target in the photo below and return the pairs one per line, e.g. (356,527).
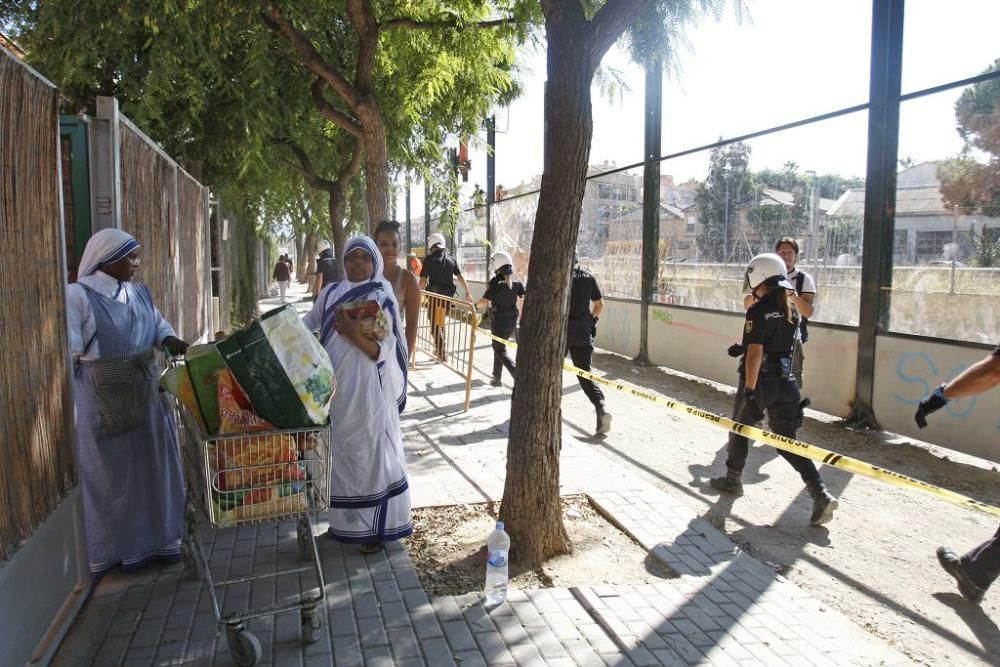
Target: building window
(690,224)
(899,244)
(604,191)
(930,245)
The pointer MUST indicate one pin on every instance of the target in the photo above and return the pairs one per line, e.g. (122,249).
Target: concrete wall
(40,588)
(695,341)
(908,370)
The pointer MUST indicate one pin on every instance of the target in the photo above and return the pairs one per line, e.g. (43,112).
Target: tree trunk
(306,257)
(376,163)
(531,506)
(337,206)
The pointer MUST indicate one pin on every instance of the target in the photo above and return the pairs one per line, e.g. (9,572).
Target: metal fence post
(880,197)
(650,201)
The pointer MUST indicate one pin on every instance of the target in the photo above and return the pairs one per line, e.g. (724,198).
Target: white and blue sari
(369,491)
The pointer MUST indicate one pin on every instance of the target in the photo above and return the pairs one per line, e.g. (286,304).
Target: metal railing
(447,332)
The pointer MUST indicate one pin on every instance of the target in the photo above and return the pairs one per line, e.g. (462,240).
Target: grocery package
(373,321)
(254,475)
(204,363)
(283,369)
(176,381)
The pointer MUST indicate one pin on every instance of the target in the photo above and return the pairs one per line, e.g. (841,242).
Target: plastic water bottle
(497,549)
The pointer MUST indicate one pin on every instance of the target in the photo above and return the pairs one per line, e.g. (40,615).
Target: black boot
(823,503)
(952,564)
(731,483)
(603,420)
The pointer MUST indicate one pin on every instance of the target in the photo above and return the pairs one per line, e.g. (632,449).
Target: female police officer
(768,341)
(504,295)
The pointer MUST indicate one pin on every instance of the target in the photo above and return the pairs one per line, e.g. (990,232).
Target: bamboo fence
(149,214)
(195,274)
(36,456)
(165,209)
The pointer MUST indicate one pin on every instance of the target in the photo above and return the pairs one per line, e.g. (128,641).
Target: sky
(791,60)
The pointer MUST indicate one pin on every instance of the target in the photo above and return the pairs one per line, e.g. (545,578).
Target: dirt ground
(448,549)
(875,562)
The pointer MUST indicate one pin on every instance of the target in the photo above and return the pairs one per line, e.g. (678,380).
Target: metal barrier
(447,332)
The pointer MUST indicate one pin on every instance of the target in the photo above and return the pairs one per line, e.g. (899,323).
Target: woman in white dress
(369,491)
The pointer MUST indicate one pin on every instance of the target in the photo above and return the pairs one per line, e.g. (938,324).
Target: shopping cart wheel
(244,647)
(304,538)
(312,625)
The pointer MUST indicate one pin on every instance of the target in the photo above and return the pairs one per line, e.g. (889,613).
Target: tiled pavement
(725,608)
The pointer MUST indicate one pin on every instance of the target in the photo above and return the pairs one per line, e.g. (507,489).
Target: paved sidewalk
(725,608)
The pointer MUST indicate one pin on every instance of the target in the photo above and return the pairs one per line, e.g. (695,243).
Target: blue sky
(792,59)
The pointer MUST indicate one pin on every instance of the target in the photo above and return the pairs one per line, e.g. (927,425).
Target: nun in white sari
(130,467)
(369,492)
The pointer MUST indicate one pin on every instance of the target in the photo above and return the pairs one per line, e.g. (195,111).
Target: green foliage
(968,183)
(728,186)
(986,247)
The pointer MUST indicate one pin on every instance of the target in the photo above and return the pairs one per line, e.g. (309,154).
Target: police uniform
(440,269)
(767,325)
(503,319)
(581,330)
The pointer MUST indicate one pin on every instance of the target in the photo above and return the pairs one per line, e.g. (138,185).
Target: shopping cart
(254,478)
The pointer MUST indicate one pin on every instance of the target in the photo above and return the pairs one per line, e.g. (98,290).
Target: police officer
(504,295)
(438,275)
(765,373)
(585,305)
(976,570)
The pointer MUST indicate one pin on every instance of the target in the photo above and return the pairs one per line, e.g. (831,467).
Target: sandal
(371,547)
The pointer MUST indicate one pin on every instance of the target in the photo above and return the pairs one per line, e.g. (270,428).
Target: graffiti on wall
(921,375)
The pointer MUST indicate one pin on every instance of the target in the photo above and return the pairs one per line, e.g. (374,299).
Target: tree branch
(610,22)
(414,24)
(330,112)
(304,165)
(278,22)
(362,18)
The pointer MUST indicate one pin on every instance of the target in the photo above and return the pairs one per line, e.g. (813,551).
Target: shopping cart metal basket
(254,478)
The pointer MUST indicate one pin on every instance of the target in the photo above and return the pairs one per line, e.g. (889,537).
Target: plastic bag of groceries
(282,368)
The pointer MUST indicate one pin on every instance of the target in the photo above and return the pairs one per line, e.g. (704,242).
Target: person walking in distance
(765,369)
(438,275)
(979,568)
(504,295)
(284,276)
(585,306)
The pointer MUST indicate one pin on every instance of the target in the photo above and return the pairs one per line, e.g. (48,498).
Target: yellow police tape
(788,444)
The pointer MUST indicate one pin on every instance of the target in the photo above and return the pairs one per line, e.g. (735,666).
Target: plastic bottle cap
(499,525)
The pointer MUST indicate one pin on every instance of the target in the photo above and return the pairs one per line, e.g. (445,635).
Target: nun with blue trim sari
(369,491)
(130,466)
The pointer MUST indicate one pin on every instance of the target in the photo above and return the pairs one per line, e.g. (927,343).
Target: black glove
(753,402)
(735,350)
(593,327)
(174,345)
(932,403)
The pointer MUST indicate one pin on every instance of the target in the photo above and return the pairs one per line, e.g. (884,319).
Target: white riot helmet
(435,240)
(767,268)
(502,258)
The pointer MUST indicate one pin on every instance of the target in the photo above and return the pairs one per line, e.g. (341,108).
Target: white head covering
(105,247)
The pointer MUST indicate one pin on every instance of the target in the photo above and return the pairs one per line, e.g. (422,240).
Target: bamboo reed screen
(164,208)
(149,214)
(36,450)
(195,278)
